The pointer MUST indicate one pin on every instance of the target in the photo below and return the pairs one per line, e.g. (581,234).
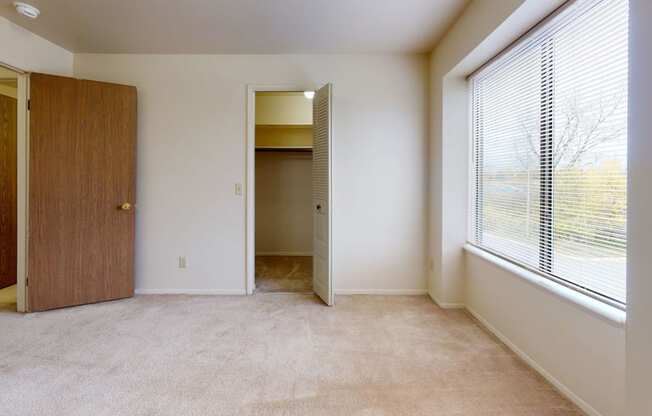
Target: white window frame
(565,288)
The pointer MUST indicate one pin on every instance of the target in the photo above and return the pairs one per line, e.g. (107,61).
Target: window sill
(602,310)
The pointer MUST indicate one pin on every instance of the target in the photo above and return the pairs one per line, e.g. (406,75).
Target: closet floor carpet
(267,354)
(284,274)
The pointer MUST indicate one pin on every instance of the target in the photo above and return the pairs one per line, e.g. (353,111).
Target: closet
(8,195)
(283,200)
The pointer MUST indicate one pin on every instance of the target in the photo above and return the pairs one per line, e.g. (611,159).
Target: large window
(550,149)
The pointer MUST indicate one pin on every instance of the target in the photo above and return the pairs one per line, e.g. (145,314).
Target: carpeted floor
(8,299)
(267,354)
(284,274)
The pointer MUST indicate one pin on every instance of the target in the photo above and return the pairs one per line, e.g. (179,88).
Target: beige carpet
(284,274)
(267,354)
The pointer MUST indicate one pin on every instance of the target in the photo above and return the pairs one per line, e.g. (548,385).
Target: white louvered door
(321,195)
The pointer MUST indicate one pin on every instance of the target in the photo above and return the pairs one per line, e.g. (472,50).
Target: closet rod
(284,149)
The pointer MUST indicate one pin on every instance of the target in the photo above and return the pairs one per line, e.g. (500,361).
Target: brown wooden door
(8,243)
(82,169)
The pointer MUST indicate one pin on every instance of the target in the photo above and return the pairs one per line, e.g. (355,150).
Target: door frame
(250,175)
(22,181)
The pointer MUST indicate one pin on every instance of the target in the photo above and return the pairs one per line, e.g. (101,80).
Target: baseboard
(285,253)
(397,292)
(446,305)
(388,292)
(190,292)
(563,389)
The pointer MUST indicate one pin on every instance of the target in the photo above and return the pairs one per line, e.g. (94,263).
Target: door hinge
(29,105)
(27,281)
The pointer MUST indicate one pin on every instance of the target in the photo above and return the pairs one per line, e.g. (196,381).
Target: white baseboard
(563,389)
(190,292)
(446,305)
(388,292)
(398,292)
(285,253)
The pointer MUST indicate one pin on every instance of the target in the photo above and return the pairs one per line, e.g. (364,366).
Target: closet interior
(283,191)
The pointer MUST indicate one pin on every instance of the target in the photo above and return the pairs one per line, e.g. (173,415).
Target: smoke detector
(27,10)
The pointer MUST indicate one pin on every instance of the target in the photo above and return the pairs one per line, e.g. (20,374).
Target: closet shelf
(283,126)
(284,148)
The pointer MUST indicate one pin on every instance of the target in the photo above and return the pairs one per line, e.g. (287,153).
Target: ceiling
(240,26)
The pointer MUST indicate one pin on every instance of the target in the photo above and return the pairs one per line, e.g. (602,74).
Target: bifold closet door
(82,178)
(321,196)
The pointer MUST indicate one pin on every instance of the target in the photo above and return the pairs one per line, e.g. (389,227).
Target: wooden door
(321,196)
(82,171)
(8,242)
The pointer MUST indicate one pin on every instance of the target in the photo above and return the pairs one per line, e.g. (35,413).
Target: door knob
(318,207)
(126,206)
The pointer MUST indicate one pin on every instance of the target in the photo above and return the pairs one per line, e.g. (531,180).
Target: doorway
(289,191)
(284,229)
(12,189)
(67,166)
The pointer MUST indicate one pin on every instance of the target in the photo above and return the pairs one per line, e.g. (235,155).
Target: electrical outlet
(238,189)
(182,262)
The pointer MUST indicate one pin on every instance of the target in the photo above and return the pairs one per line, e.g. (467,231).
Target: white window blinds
(550,149)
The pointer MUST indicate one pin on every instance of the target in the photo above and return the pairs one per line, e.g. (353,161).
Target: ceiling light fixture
(309,94)
(27,10)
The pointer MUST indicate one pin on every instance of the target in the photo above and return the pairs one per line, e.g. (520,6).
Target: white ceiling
(240,26)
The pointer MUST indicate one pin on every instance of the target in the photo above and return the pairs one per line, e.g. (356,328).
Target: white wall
(579,351)
(26,51)
(639,233)
(449,152)
(283,108)
(191,152)
(284,203)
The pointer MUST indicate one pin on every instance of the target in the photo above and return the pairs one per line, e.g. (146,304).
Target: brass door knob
(126,206)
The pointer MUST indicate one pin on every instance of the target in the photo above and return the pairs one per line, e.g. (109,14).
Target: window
(549,129)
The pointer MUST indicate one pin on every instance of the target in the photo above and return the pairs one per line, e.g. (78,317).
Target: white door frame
(250,176)
(22,178)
